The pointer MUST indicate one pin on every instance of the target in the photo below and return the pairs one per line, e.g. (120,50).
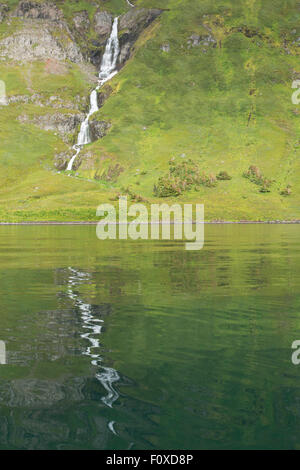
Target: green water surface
(144,345)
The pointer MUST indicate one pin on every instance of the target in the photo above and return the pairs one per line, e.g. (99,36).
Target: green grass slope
(225,106)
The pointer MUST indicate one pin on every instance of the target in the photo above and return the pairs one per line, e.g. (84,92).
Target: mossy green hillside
(226,107)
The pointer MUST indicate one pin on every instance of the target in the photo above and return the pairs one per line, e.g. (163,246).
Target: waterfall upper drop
(107,71)
(110,56)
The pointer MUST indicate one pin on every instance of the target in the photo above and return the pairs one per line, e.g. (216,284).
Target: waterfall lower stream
(107,71)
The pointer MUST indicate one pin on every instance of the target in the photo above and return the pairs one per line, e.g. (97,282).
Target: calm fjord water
(143,345)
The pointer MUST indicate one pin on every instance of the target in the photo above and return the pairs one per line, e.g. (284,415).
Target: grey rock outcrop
(82,22)
(131,25)
(3,11)
(98,129)
(102,24)
(64,124)
(165,47)
(37,10)
(103,95)
(35,43)
(203,41)
(62,159)
(53,101)
(42,34)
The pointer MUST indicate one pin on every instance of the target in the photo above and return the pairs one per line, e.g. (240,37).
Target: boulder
(205,41)
(98,129)
(165,47)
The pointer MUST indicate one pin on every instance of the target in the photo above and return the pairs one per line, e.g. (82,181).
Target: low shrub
(286,191)
(223,176)
(181,177)
(255,176)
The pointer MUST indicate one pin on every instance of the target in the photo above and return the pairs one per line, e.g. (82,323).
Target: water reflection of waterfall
(107,71)
(106,375)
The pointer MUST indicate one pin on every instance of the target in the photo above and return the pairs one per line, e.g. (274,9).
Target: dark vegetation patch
(255,175)
(185,176)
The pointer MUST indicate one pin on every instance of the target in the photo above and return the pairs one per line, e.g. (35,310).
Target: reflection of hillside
(42,414)
(65,392)
(42,411)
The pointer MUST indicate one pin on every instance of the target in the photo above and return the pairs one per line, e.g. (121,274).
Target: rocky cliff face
(37,10)
(35,43)
(40,32)
(132,24)
(45,33)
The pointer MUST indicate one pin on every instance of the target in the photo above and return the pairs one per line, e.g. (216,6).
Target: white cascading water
(110,56)
(107,71)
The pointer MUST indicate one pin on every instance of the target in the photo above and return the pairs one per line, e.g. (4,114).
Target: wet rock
(96,51)
(131,25)
(98,129)
(138,19)
(125,50)
(103,95)
(62,159)
(102,24)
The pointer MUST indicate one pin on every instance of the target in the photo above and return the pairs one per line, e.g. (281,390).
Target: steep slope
(204,82)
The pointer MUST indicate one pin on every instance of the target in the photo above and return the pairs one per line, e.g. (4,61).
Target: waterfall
(111,54)
(107,71)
